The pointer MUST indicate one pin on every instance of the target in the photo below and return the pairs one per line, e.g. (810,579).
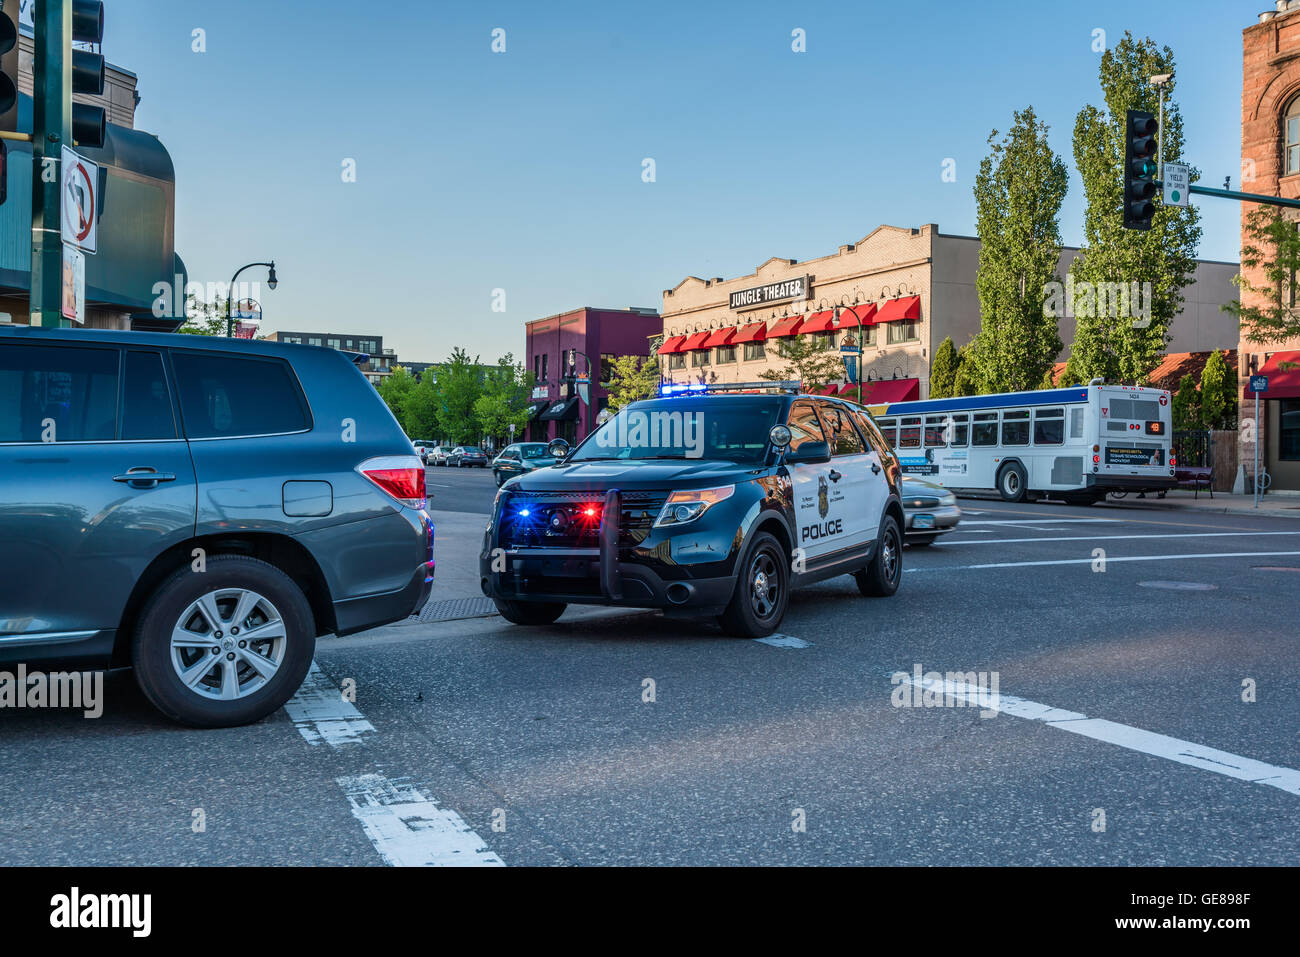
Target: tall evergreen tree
(1218,393)
(1127,348)
(1018,194)
(943,369)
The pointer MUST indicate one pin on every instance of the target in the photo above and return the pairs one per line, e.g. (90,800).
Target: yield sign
(79,201)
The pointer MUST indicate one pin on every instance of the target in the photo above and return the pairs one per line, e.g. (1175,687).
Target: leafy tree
(629,378)
(203,318)
(1272,245)
(963,382)
(1124,348)
(458,387)
(396,390)
(1018,194)
(1218,393)
(809,363)
(943,369)
(1187,406)
(503,401)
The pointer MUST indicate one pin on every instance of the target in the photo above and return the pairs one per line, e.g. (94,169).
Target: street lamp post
(271,281)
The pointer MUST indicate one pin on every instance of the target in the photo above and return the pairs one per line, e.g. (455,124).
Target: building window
(755,350)
(700,357)
(726,354)
(677,360)
(1291,128)
(314,340)
(1288,439)
(821,341)
(904,331)
(783,346)
(333,343)
(606,365)
(545,372)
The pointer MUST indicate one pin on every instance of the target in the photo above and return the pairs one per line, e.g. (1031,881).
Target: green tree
(629,378)
(203,318)
(396,390)
(1218,393)
(943,369)
(503,400)
(963,382)
(808,362)
(1272,246)
(1018,194)
(1125,344)
(1187,406)
(459,385)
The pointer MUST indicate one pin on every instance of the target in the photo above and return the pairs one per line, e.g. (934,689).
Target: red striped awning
(860,315)
(722,337)
(896,310)
(786,327)
(671,345)
(694,341)
(827,390)
(754,332)
(823,321)
(1282,383)
(884,391)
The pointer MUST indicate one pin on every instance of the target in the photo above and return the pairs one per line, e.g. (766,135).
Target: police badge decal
(823,496)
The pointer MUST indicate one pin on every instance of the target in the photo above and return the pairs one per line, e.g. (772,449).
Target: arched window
(1291,132)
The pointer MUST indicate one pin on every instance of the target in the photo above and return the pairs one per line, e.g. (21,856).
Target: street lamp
(1160,81)
(271,280)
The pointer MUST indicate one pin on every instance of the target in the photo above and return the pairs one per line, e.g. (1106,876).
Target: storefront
(1280,419)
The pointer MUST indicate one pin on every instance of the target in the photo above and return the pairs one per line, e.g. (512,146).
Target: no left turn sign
(79,200)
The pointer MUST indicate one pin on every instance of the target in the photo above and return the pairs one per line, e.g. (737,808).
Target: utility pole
(51,124)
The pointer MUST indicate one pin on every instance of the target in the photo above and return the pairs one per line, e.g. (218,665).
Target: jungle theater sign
(783,291)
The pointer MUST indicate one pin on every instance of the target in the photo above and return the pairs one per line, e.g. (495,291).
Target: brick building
(1270,152)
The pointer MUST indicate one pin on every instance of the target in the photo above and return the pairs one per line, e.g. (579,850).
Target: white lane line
(1111,538)
(784,641)
(321,713)
(1109,560)
(1045,521)
(408,829)
(1135,739)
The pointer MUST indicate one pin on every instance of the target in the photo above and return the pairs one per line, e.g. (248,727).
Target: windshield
(534,451)
(726,429)
(471,450)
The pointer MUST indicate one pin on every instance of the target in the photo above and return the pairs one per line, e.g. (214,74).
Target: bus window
(958,430)
(985,431)
(1049,426)
(934,429)
(910,433)
(889,429)
(1015,428)
(1076,423)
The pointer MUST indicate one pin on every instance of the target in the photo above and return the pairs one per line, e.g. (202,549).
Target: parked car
(772,491)
(423,448)
(931,510)
(196,509)
(438,455)
(465,456)
(520,458)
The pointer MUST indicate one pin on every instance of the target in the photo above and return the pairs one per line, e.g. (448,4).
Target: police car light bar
(701,388)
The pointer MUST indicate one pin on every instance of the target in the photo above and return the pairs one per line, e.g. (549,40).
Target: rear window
(223,396)
(58,394)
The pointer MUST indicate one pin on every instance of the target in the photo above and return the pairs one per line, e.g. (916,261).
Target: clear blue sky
(522,170)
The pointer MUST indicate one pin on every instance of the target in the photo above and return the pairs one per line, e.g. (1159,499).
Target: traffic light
(89,123)
(1139,169)
(8,74)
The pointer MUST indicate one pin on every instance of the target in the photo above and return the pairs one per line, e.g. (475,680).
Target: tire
(529,612)
(762,592)
(882,577)
(500,481)
(229,582)
(1011,483)
(920,541)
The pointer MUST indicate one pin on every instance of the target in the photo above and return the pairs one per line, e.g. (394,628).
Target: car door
(509,464)
(820,521)
(860,474)
(95,483)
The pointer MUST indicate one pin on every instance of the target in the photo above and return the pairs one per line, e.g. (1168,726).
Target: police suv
(706,501)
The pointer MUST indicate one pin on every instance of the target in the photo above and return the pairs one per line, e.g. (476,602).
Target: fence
(1217,450)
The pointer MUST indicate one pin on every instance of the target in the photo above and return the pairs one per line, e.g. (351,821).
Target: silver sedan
(930,511)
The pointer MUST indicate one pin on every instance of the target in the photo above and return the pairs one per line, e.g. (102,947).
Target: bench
(1195,476)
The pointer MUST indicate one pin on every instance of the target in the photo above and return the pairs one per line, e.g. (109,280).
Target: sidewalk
(1273,505)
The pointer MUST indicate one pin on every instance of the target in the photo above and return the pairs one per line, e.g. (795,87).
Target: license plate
(923,521)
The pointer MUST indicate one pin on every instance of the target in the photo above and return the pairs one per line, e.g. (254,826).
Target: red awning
(1282,383)
(786,327)
(860,315)
(671,345)
(720,338)
(754,332)
(884,391)
(694,341)
(895,310)
(827,390)
(819,322)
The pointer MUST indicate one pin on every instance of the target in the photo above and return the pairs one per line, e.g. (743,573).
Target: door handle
(835,476)
(875,468)
(143,477)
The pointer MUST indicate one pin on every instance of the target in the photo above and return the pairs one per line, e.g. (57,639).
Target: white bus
(1078,443)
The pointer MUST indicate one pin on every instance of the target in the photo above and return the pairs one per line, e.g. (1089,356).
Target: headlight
(683,507)
(948,499)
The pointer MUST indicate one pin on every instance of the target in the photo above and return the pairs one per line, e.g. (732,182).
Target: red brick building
(1270,161)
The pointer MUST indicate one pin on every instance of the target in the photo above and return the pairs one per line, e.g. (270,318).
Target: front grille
(922,502)
(559,519)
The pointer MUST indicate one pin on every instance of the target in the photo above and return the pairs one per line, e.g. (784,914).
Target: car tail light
(401,476)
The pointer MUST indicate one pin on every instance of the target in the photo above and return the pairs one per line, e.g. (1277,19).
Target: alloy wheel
(228,644)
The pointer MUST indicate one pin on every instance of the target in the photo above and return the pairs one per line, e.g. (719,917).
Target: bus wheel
(1011,483)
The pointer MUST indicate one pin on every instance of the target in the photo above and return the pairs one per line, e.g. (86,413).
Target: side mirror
(810,453)
(779,436)
(558,449)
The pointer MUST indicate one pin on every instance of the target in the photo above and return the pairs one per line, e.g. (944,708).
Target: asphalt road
(460,490)
(477,741)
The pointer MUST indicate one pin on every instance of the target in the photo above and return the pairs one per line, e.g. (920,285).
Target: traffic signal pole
(52,120)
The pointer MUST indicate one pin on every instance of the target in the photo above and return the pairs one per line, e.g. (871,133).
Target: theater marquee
(782,291)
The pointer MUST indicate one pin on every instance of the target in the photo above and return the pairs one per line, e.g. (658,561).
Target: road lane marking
(1045,521)
(784,641)
(409,829)
(1110,560)
(321,713)
(1109,538)
(1125,736)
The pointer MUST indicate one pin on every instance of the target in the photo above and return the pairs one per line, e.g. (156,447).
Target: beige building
(897,293)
